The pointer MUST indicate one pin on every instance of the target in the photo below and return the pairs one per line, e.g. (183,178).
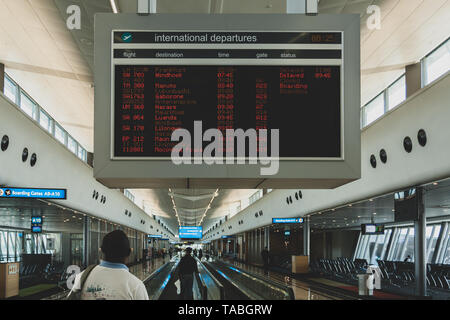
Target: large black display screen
(285,81)
(303,102)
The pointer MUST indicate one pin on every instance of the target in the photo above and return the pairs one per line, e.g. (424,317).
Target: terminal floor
(144,270)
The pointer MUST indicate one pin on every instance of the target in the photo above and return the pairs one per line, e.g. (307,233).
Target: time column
(225,100)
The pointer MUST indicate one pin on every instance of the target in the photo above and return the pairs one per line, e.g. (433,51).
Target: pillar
(2,77)
(86,240)
(306,236)
(413,75)
(420,248)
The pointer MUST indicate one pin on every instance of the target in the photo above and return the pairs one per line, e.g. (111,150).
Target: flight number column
(132,109)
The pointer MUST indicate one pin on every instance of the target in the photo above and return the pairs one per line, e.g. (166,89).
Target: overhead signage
(33,193)
(36,224)
(188,232)
(287,220)
(371,228)
(157,236)
(176,90)
(227,237)
(168,80)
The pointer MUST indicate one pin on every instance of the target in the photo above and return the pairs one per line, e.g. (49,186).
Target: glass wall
(434,65)
(437,63)
(25,103)
(396,93)
(373,247)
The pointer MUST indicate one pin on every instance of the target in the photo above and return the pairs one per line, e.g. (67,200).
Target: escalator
(243,285)
(216,280)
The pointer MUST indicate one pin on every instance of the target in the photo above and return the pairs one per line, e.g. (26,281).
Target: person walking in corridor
(187,267)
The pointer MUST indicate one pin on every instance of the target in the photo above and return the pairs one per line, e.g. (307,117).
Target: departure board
(290,81)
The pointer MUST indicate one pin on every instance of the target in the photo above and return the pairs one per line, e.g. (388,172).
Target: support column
(86,240)
(306,236)
(267,238)
(309,7)
(2,77)
(420,247)
(413,76)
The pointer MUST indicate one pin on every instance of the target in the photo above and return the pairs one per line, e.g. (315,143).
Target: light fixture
(114,6)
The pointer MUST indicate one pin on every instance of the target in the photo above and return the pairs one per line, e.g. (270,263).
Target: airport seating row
(402,273)
(397,273)
(341,268)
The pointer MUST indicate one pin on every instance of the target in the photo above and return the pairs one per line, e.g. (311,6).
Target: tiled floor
(143,270)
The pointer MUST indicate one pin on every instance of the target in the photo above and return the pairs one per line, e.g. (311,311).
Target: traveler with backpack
(110,280)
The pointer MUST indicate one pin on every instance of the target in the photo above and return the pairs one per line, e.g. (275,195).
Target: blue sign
(154,236)
(227,237)
(33,193)
(36,220)
(287,220)
(190,232)
(36,229)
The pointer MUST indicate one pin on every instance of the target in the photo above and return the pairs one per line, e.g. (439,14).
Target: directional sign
(33,193)
(287,220)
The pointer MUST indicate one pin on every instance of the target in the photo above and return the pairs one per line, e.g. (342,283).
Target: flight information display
(186,232)
(290,81)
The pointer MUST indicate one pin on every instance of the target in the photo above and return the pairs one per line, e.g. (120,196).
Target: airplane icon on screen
(127,37)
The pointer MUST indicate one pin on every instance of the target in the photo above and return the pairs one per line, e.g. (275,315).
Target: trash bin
(376,271)
(365,284)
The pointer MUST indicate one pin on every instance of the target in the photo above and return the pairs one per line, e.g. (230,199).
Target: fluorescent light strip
(113,6)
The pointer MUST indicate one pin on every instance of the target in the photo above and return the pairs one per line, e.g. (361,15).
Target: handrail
(202,287)
(216,282)
(163,285)
(274,285)
(249,295)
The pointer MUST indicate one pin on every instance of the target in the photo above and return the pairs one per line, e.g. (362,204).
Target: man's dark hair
(116,246)
(188,250)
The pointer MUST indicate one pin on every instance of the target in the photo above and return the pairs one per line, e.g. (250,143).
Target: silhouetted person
(111,280)
(170,253)
(186,268)
(407,259)
(265,258)
(200,254)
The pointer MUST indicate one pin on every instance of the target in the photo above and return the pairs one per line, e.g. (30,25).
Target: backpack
(76,294)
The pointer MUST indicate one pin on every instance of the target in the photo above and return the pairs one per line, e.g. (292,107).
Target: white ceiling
(54,64)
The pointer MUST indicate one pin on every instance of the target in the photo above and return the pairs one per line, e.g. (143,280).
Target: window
(60,134)
(82,153)
(254,197)
(128,194)
(27,105)
(397,92)
(10,90)
(72,144)
(45,121)
(446,254)
(437,63)
(432,233)
(373,110)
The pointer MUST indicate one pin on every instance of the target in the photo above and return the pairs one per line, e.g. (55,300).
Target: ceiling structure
(55,66)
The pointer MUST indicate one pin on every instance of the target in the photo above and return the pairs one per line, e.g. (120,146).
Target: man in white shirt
(111,280)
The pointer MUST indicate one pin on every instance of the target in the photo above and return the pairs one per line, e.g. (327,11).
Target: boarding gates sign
(194,99)
(33,193)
